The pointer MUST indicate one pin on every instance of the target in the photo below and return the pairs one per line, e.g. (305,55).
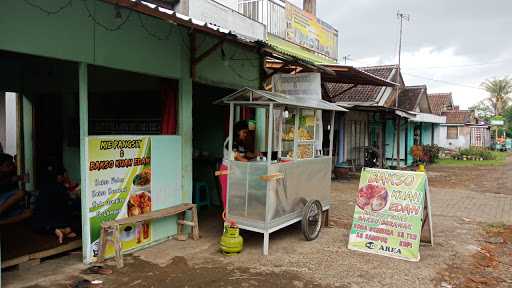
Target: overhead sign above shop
(307,30)
(306,85)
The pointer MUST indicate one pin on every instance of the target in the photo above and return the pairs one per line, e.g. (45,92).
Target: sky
(449,45)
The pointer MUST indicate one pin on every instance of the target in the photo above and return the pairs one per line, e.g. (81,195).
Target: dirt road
(471,248)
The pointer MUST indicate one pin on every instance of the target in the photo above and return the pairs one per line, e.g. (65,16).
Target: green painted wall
(426,134)
(391,145)
(410,142)
(234,68)
(390,140)
(87,32)
(136,42)
(390,151)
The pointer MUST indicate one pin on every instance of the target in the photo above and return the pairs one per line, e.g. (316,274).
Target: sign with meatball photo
(389,213)
(118,185)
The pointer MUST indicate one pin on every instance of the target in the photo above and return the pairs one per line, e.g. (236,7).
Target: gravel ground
(455,261)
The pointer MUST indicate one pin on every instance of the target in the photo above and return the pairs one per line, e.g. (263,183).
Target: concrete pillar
(83,95)
(2,121)
(185,131)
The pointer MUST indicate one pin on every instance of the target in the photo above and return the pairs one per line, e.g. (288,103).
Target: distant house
(439,103)
(462,129)
(373,118)
(418,129)
(363,126)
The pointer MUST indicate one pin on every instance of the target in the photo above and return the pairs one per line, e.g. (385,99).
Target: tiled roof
(409,97)
(361,93)
(440,102)
(457,117)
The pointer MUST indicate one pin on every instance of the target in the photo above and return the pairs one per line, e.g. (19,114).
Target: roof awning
(152,9)
(405,114)
(337,74)
(351,75)
(428,118)
(253,97)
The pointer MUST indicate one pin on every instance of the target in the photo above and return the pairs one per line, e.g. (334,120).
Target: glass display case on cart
(293,183)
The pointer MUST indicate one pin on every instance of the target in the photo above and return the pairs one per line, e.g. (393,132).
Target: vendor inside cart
(240,153)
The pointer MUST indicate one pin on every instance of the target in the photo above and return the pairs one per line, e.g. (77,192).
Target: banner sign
(497,122)
(308,31)
(302,84)
(118,185)
(390,213)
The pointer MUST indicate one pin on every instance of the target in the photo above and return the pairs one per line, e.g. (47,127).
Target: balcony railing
(290,23)
(277,22)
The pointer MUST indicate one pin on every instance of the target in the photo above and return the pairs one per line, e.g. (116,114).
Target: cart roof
(260,97)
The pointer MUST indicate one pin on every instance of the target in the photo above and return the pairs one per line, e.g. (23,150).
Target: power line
(443,81)
(463,66)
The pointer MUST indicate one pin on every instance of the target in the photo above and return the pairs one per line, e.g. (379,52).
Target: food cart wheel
(312,220)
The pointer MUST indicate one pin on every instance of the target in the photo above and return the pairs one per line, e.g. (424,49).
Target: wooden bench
(113,228)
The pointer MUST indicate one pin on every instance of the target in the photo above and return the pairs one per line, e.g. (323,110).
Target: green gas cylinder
(231,242)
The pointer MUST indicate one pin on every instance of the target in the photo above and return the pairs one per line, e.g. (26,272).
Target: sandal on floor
(97,270)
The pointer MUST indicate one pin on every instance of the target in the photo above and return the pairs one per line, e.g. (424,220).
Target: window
(249,8)
(452,132)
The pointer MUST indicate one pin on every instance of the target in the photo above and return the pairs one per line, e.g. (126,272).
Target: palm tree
(499,90)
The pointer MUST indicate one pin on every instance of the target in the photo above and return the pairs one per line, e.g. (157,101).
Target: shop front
(107,94)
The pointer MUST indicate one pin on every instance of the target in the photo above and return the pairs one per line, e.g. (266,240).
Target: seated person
(11,198)
(240,152)
(240,138)
(52,213)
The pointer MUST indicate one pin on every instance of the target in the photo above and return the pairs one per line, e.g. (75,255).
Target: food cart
(293,182)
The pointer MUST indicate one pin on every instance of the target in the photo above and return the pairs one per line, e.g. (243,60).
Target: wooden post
(118,246)
(406,142)
(180,236)
(103,244)
(195,227)
(397,126)
(382,152)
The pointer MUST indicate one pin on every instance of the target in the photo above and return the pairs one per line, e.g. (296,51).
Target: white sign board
(303,84)
(497,122)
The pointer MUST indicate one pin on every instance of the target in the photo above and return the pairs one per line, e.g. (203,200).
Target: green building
(82,68)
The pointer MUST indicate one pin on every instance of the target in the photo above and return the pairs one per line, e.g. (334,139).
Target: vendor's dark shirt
(237,147)
(6,182)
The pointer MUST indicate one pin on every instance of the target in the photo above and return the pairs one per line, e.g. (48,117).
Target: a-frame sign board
(392,214)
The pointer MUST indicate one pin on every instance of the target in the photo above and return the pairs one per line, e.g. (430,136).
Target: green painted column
(83,95)
(261,122)
(185,131)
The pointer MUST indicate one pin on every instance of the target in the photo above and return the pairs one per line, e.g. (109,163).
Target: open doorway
(45,96)
(47,131)
(210,131)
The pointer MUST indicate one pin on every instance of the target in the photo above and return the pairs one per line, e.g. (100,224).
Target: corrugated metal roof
(262,97)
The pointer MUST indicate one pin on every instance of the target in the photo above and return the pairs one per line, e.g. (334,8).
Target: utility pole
(346,58)
(401,16)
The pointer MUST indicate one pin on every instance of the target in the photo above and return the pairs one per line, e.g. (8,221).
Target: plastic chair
(201,195)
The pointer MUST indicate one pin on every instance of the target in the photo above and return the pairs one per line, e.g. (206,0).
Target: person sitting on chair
(52,213)
(11,198)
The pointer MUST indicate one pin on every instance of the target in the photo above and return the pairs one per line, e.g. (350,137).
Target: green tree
(483,110)
(508,120)
(499,93)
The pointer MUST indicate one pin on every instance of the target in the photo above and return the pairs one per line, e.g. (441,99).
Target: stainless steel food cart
(293,184)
